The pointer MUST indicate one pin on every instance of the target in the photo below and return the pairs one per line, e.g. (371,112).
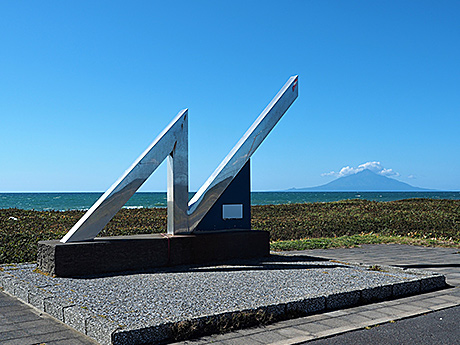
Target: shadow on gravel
(272,262)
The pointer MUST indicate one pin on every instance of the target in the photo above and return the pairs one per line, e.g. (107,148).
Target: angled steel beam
(171,143)
(177,176)
(216,184)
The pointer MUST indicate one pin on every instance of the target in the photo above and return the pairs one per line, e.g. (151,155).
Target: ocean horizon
(64,201)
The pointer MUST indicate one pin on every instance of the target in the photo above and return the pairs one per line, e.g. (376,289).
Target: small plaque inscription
(234,211)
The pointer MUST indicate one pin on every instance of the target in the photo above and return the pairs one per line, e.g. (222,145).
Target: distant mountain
(363,181)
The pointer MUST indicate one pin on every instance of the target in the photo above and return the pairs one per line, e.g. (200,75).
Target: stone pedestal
(142,252)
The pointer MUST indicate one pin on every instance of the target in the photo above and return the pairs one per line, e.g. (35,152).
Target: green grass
(292,227)
(19,238)
(354,241)
(425,218)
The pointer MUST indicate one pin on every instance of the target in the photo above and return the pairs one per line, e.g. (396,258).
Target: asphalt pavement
(439,327)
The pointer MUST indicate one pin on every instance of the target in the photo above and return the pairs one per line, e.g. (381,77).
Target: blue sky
(86,86)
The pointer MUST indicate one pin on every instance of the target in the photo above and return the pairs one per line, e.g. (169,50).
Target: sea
(83,201)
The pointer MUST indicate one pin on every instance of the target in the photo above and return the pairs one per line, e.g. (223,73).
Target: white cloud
(375,167)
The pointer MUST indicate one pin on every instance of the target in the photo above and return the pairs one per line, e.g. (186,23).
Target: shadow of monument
(270,263)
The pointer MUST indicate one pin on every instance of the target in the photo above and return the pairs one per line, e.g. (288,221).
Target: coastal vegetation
(292,227)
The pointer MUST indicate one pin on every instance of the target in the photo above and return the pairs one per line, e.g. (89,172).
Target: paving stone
(394,312)
(443,306)
(22,316)
(336,322)
(25,325)
(295,340)
(53,336)
(455,292)
(70,341)
(381,320)
(374,314)
(421,303)
(23,341)
(10,312)
(40,326)
(5,327)
(18,307)
(291,332)
(408,314)
(359,320)
(244,332)
(61,336)
(252,340)
(436,300)
(404,307)
(363,308)
(284,324)
(336,330)
(452,298)
(268,337)
(313,318)
(4,302)
(312,327)
(235,341)
(14,334)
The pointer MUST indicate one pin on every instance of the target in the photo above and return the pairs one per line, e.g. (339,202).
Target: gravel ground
(144,299)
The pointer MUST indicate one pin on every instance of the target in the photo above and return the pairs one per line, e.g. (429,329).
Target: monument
(214,225)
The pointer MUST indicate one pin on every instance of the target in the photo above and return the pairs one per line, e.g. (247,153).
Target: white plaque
(232,211)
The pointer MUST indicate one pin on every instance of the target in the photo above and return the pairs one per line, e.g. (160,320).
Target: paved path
(22,325)
(440,327)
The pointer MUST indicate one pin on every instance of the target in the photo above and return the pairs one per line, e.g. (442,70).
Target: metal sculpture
(172,144)
(237,158)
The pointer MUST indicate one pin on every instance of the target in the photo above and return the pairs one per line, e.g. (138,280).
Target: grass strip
(355,241)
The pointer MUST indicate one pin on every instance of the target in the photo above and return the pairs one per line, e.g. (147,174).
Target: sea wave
(84,201)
